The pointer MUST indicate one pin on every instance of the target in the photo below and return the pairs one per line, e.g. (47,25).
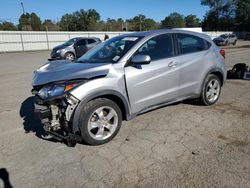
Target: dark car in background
(247,36)
(226,39)
(74,48)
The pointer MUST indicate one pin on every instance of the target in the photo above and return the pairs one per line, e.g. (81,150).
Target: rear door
(81,47)
(157,82)
(193,61)
(91,43)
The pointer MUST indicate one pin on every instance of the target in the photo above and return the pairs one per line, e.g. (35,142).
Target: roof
(162,31)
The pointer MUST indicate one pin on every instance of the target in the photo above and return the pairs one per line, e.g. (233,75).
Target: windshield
(110,51)
(70,42)
(223,36)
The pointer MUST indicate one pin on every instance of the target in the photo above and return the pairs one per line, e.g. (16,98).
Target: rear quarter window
(191,44)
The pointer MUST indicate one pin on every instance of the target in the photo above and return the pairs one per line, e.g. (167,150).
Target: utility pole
(24,15)
(23,7)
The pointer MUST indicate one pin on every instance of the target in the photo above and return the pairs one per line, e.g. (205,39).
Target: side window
(158,47)
(91,41)
(190,44)
(81,42)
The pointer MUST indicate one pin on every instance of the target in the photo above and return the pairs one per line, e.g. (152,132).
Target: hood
(66,70)
(59,47)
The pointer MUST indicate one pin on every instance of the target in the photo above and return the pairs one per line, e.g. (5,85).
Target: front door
(80,47)
(157,82)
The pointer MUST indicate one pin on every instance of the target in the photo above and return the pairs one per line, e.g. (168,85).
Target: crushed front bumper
(56,119)
(42,112)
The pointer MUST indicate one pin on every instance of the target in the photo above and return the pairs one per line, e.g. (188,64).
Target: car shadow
(4,175)
(31,123)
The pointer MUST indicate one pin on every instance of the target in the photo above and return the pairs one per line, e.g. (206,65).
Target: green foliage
(48,25)
(30,22)
(227,15)
(223,15)
(242,17)
(35,22)
(80,21)
(141,23)
(174,20)
(113,25)
(7,26)
(24,22)
(192,21)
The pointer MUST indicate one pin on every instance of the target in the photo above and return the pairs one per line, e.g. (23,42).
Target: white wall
(12,41)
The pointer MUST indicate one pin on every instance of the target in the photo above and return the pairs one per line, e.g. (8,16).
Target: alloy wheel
(102,123)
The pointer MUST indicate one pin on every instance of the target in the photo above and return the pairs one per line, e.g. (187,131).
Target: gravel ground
(182,145)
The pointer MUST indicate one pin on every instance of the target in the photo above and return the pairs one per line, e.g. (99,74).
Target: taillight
(223,53)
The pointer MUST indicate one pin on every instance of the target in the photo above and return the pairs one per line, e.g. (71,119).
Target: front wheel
(210,91)
(70,56)
(100,121)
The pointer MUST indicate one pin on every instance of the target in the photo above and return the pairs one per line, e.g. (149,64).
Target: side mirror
(141,60)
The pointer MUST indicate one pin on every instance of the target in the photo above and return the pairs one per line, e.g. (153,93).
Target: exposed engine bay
(56,116)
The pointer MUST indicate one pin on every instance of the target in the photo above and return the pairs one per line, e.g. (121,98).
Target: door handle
(172,64)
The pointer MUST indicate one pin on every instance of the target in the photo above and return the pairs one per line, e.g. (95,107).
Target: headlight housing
(55,90)
(58,51)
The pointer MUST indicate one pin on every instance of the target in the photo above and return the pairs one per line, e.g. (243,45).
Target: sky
(11,10)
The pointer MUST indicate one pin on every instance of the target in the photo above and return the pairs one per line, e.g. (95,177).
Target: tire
(70,56)
(208,91)
(235,42)
(95,127)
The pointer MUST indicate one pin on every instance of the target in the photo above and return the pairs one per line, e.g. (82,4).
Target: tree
(192,21)
(114,25)
(80,21)
(48,25)
(24,22)
(7,26)
(68,23)
(221,14)
(141,23)
(35,22)
(92,19)
(242,17)
(174,20)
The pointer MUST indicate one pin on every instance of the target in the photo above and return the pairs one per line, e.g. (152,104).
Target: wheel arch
(115,96)
(216,71)
(220,76)
(71,52)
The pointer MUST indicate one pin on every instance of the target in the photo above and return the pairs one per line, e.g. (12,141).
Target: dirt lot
(181,145)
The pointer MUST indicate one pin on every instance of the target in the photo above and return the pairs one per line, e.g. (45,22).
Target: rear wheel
(100,121)
(210,91)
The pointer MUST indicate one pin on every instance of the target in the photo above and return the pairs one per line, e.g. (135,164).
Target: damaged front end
(55,108)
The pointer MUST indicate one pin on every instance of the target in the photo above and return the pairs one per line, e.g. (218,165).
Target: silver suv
(123,77)
(225,40)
